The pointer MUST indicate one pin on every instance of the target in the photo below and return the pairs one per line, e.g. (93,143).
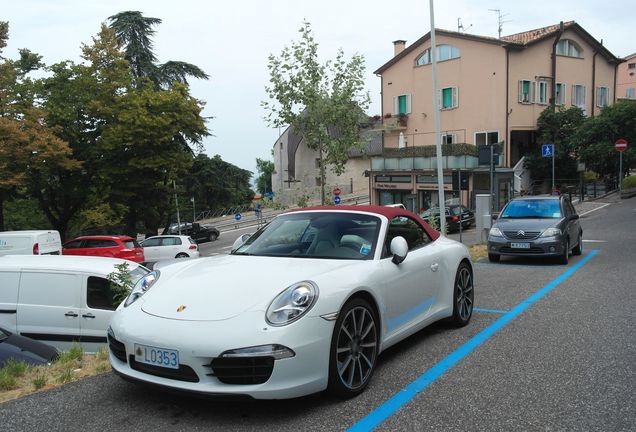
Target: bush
(629,182)
(75,353)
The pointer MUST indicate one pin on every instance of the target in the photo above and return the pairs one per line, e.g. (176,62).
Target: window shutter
(533,91)
(520,91)
(408,103)
(439,99)
(396,105)
(455,98)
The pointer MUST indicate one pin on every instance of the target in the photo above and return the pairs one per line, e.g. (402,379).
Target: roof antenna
(460,26)
(500,20)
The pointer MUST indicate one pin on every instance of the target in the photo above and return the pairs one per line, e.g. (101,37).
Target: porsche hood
(219,288)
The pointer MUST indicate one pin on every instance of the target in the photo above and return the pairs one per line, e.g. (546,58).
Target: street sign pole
(620,172)
(553,169)
(492,183)
(461,213)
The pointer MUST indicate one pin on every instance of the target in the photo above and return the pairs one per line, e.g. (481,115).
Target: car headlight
(291,304)
(551,232)
(141,287)
(495,232)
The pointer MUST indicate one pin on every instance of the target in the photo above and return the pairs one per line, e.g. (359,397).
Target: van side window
(98,294)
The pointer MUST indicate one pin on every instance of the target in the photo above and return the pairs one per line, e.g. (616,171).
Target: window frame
(630,93)
(582,105)
(569,44)
(530,93)
(487,132)
(396,104)
(563,93)
(602,97)
(453,138)
(542,97)
(454,98)
(454,53)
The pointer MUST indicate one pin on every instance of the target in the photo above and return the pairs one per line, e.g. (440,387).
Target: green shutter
(402,104)
(447,98)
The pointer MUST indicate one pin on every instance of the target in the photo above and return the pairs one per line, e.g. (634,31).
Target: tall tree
(135,33)
(265,170)
(323,101)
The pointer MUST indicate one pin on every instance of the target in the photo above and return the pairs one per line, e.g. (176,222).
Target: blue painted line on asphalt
(404,396)
(490,310)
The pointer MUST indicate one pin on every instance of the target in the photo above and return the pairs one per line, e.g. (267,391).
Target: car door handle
(70,314)
(434,267)
(88,315)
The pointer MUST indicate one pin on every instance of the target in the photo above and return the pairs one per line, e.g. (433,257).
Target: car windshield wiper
(242,253)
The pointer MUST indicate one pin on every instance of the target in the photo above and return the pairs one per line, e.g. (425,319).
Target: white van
(30,243)
(59,299)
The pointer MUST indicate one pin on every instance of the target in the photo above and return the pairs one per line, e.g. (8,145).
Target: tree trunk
(322,176)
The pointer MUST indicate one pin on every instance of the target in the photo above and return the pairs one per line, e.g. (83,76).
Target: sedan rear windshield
(532,208)
(131,244)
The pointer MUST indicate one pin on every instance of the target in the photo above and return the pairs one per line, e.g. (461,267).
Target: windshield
(531,208)
(332,235)
(137,273)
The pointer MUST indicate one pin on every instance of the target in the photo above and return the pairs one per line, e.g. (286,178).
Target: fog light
(552,249)
(275,350)
(493,247)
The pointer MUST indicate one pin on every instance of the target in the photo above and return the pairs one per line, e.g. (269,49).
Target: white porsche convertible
(305,304)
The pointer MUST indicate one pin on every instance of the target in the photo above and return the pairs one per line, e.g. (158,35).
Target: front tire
(578,250)
(563,259)
(213,236)
(354,349)
(463,296)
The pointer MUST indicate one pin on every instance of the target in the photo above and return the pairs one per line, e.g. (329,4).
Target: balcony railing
(454,156)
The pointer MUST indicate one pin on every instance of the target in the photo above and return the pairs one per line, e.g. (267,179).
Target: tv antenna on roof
(500,20)
(460,26)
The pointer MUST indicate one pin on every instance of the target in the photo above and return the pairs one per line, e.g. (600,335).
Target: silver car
(536,226)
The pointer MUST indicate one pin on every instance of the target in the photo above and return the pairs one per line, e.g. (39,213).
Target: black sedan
(20,348)
(198,233)
(536,226)
(454,213)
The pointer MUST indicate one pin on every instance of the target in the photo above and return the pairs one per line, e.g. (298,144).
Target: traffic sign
(237,216)
(336,199)
(620,145)
(547,150)
(336,191)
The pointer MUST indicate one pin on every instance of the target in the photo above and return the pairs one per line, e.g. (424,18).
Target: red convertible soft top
(388,212)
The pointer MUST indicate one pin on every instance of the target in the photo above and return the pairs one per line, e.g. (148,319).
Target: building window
(602,96)
(630,93)
(567,47)
(578,96)
(542,92)
(402,104)
(448,98)
(560,94)
(526,91)
(449,138)
(317,163)
(486,137)
(444,52)
(318,181)
(631,66)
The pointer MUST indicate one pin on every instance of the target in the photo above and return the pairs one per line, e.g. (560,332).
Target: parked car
(169,247)
(454,213)
(59,299)
(23,349)
(305,304)
(40,242)
(199,233)
(536,226)
(122,247)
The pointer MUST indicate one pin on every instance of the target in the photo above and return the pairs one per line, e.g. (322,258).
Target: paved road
(564,360)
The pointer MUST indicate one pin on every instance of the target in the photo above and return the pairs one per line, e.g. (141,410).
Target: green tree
(558,128)
(596,138)
(323,101)
(135,32)
(265,170)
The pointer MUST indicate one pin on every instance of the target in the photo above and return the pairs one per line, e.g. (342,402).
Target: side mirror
(495,215)
(399,249)
(239,241)
(574,217)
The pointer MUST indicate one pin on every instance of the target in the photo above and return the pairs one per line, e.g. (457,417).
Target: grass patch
(478,252)
(17,379)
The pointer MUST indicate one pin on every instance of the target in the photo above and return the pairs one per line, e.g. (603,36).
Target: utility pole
(438,134)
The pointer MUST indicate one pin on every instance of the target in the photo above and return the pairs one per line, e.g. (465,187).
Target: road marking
(594,241)
(490,310)
(404,396)
(597,208)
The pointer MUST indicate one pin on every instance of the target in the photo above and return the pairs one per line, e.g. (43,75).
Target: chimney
(398,46)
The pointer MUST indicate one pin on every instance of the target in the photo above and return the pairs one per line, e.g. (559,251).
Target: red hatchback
(123,247)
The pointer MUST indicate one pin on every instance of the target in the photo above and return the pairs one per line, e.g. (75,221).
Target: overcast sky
(231,40)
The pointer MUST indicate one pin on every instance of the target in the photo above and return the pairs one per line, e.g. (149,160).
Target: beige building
(626,78)
(490,91)
(296,174)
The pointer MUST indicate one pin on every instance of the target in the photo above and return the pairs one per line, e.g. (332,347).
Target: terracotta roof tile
(536,34)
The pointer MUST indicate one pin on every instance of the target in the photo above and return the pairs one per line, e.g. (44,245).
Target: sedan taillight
(193,247)
(454,218)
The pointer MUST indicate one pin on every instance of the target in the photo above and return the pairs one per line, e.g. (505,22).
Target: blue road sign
(237,216)
(547,150)
(336,200)
(269,194)
(258,206)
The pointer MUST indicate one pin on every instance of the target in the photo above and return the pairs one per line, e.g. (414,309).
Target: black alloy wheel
(354,349)
(212,237)
(578,249)
(463,296)
(563,259)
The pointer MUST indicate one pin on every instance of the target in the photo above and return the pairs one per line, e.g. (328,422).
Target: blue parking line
(404,396)
(489,310)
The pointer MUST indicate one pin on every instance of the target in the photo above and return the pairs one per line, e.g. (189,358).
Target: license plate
(520,245)
(157,356)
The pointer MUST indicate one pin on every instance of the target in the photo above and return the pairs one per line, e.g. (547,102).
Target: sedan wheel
(578,250)
(212,237)
(563,259)
(354,349)
(463,296)
(182,255)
